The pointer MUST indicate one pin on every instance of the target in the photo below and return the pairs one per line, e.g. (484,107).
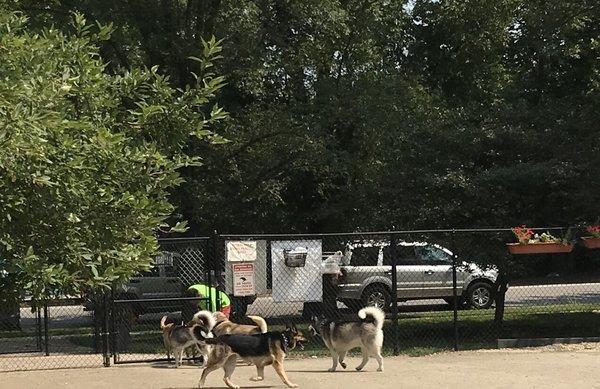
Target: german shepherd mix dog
(340,337)
(224,326)
(261,349)
(177,338)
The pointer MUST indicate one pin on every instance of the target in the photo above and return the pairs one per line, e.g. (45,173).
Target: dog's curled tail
(205,319)
(163,323)
(376,313)
(260,322)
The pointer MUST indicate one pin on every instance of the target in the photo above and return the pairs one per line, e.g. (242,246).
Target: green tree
(87,159)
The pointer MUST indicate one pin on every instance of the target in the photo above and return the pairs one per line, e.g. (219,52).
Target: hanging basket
(539,248)
(295,257)
(591,242)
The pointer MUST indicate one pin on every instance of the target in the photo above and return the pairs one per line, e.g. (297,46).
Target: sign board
(241,251)
(243,279)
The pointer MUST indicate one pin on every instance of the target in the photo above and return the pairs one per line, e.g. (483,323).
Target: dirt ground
(548,367)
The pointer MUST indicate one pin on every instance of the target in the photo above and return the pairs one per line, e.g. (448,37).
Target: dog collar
(286,342)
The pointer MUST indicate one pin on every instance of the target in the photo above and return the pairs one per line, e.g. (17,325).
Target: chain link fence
(441,290)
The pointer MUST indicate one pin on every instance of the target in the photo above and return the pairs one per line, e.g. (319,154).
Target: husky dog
(261,349)
(177,338)
(340,337)
(225,326)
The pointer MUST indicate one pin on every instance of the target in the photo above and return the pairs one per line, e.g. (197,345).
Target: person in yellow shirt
(215,300)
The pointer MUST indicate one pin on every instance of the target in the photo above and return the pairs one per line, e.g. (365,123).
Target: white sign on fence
(243,279)
(241,251)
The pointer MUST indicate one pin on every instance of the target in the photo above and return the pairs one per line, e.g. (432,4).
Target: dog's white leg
(342,356)
(365,356)
(260,373)
(379,359)
(179,356)
(334,357)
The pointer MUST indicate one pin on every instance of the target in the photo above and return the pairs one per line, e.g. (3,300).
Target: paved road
(589,293)
(516,296)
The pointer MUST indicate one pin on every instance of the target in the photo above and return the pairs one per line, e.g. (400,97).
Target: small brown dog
(225,326)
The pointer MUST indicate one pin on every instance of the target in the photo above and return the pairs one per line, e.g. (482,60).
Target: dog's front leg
(229,367)
(342,356)
(334,357)
(205,373)
(278,366)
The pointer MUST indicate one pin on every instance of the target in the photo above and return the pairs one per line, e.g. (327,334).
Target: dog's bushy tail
(205,319)
(376,313)
(163,323)
(260,322)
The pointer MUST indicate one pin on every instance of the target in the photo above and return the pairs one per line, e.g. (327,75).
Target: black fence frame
(106,327)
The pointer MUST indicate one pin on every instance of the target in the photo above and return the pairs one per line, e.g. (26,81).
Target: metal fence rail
(441,289)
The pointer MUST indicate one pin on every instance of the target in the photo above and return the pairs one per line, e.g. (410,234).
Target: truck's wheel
(480,295)
(376,296)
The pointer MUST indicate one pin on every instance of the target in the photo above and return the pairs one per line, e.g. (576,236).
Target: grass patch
(419,333)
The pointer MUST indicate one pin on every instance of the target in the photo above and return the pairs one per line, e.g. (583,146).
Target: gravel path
(559,366)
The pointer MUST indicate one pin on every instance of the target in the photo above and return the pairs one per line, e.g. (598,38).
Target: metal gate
(136,310)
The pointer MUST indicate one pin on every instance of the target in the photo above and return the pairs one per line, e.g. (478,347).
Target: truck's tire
(376,295)
(480,295)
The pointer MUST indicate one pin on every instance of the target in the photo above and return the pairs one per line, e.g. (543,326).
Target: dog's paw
(256,378)
(343,365)
(331,369)
(358,368)
(292,385)
(380,369)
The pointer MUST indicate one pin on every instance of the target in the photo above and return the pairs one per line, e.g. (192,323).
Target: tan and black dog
(261,349)
(178,338)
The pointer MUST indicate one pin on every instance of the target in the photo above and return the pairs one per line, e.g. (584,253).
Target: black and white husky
(341,337)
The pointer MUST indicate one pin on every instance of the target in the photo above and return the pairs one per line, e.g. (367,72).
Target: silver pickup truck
(424,271)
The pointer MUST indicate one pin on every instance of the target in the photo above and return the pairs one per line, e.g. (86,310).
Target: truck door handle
(429,272)
(172,281)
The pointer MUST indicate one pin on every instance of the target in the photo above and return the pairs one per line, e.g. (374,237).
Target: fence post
(46,340)
(38,323)
(217,270)
(105,330)
(113,328)
(394,294)
(454,294)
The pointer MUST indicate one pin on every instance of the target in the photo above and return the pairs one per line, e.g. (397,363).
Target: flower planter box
(539,248)
(591,242)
